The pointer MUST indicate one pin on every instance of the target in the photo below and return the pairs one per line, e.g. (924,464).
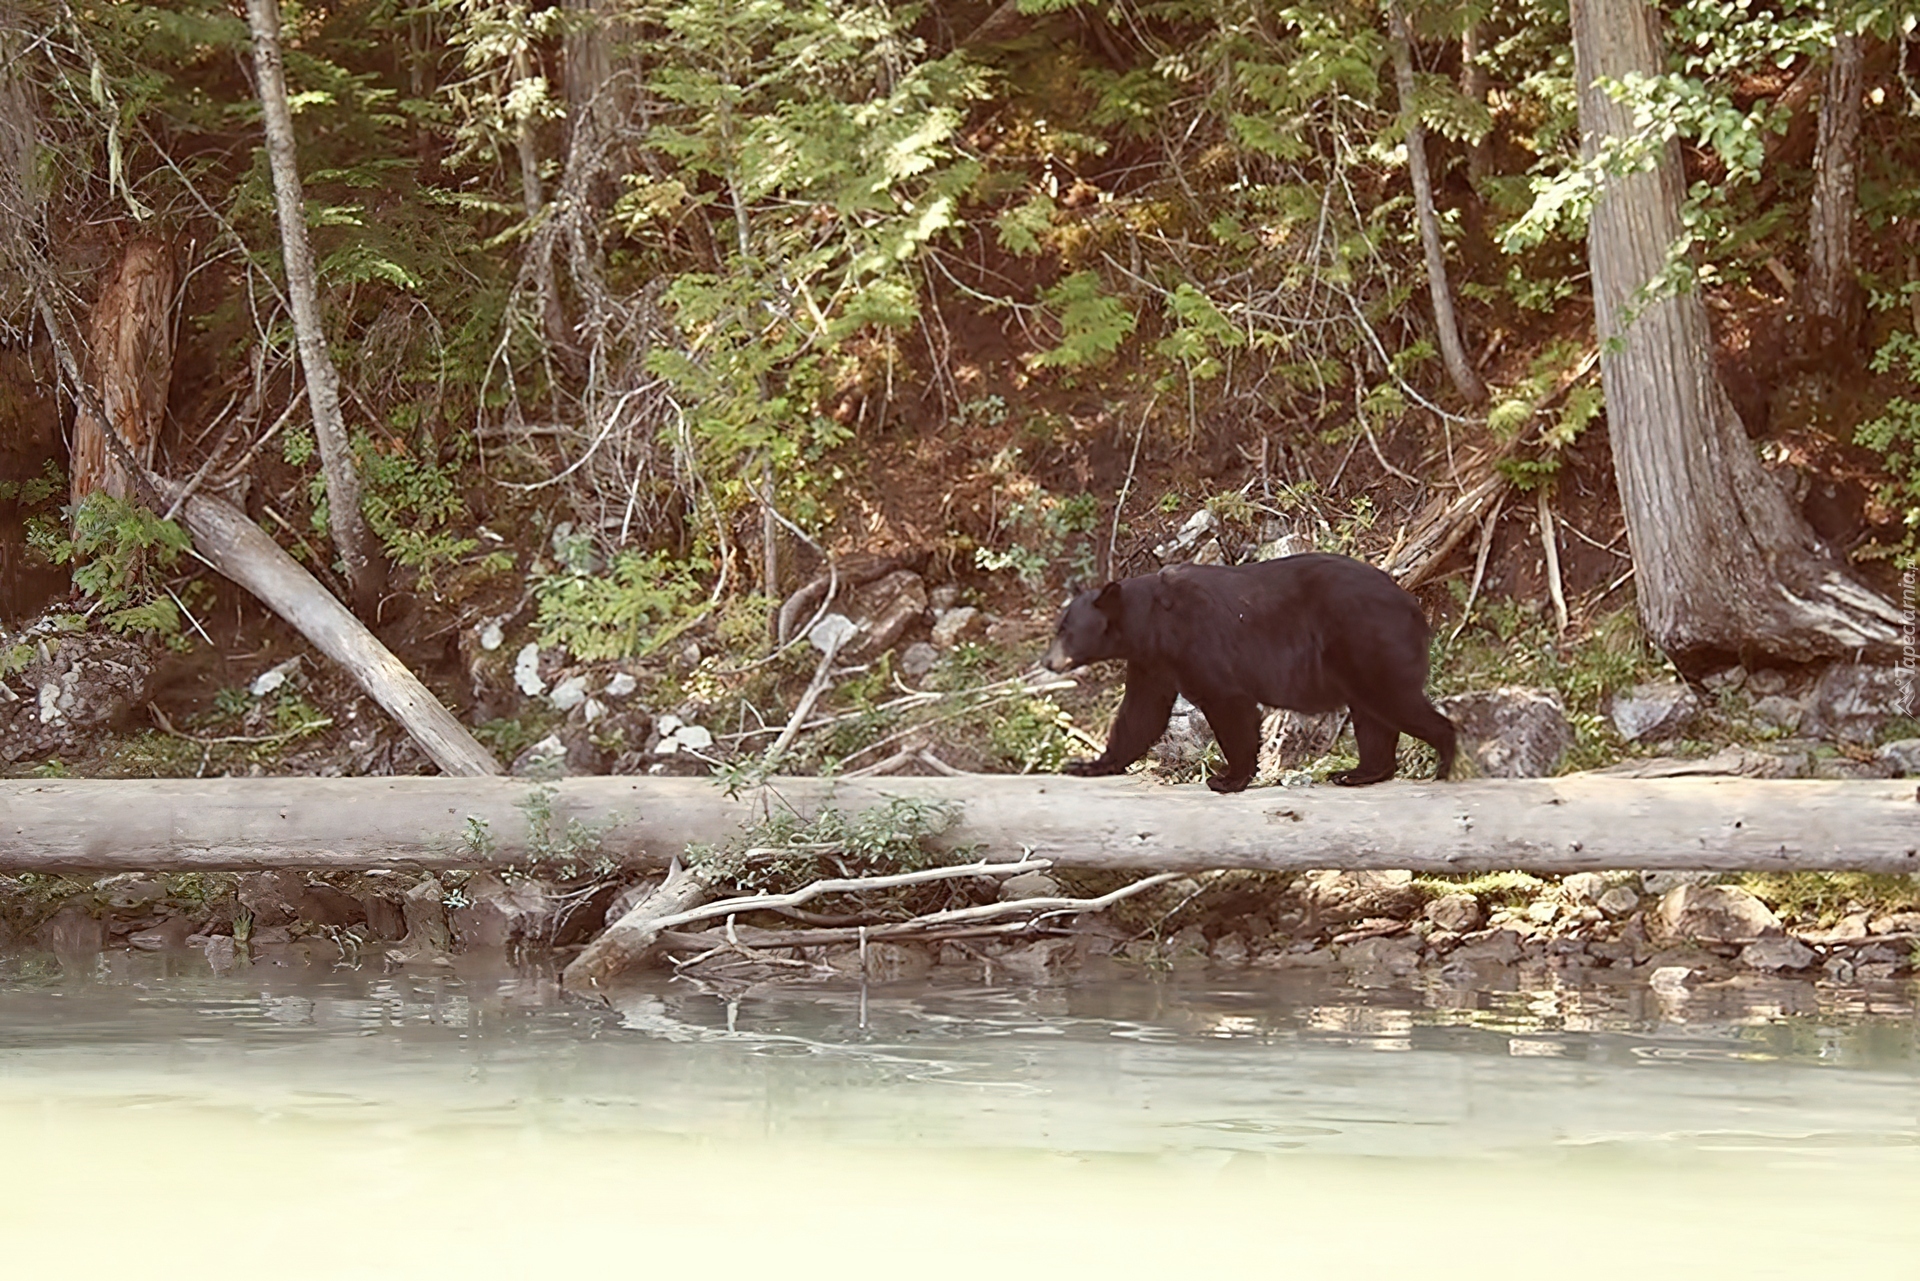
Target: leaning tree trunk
(1452,353)
(1831,303)
(132,349)
(1725,564)
(351,537)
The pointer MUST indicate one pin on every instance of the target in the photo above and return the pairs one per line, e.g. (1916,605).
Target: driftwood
(1577,823)
(630,941)
(237,547)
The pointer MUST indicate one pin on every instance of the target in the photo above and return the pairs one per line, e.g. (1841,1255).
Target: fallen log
(1551,826)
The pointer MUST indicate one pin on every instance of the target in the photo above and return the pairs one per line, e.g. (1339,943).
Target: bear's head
(1089,631)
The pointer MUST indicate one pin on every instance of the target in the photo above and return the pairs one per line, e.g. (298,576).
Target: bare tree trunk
(1473,86)
(1445,323)
(1575,823)
(366,573)
(1831,301)
(1724,564)
(132,350)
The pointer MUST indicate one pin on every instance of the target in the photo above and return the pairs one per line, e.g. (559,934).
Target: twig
(1126,487)
(166,727)
(822,677)
(1479,564)
(1551,546)
(847,885)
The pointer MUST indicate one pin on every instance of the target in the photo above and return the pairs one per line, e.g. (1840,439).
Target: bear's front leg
(1236,727)
(1138,725)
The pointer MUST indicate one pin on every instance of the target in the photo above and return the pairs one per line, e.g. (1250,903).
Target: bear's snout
(1057,659)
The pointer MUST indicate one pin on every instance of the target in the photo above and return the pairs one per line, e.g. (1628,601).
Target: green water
(159,1120)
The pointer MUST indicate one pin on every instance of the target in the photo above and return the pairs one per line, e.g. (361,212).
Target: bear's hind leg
(1141,720)
(1412,714)
(1378,742)
(1236,727)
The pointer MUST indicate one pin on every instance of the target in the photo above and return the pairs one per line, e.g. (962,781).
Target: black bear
(1310,633)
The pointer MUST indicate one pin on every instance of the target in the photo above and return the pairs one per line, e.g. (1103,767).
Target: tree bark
(1571,824)
(1832,305)
(1725,566)
(237,548)
(132,356)
(365,571)
(628,942)
(1445,323)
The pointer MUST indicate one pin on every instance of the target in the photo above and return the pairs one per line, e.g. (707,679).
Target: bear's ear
(1108,601)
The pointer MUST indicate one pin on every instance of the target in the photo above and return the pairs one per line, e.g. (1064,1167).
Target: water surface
(353,1122)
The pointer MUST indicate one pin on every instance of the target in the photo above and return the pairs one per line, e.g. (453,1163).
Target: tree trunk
(366,573)
(236,547)
(1832,305)
(1445,323)
(1576,823)
(132,350)
(1725,566)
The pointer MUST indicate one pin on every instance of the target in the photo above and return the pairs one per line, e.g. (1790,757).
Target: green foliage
(786,852)
(1033,736)
(624,611)
(413,504)
(34,491)
(121,553)
(1046,528)
(1894,434)
(1823,897)
(1093,323)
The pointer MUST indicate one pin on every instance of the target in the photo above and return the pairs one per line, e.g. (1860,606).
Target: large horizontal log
(1559,825)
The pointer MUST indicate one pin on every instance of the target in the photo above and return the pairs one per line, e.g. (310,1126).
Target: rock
(1850,928)
(1619,902)
(1584,887)
(1658,883)
(1191,940)
(943,598)
(526,670)
(426,912)
(956,625)
(1777,954)
(1340,897)
(166,936)
(882,610)
(1711,914)
(1730,679)
(1229,949)
(1460,913)
(1184,744)
(1670,980)
(1029,885)
(621,685)
(1896,923)
(1766,682)
(1511,732)
(894,962)
(1847,767)
(1902,756)
(500,913)
(130,890)
(1779,710)
(222,953)
(569,693)
(81,684)
(918,659)
(1783,759)
(1851,701)
(386,922)
(545,759)
(271,898)
(1397,956)
(1038,961)
(1839,969)
(73,931)
(1289,740)
(1498,947)
(1198,529)
(1654,710)
(1542,911)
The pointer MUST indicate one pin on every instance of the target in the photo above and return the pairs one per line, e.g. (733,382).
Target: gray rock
(1499,947)
(1229,949)
(545,759)
(1397,956)
(1847,767)
(943,598)
(426,912)
(1711,914)
(1511,732)
(73,931)
(1851,701)
(1038,961)
(1902,756)
(956,625)
(1766,682)
(1460,913)
(1184,744)
(569,693)
(1029,885)
(918,659)
(1777,954)
(1730,679)
(883,610)
(1619,902)
(1654,710)
(1198,530)
(501,913)
(1584,887)
(1670,979)
(1778,709)
(1289,740)
(221,952)
(77,685)
(1658,883)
